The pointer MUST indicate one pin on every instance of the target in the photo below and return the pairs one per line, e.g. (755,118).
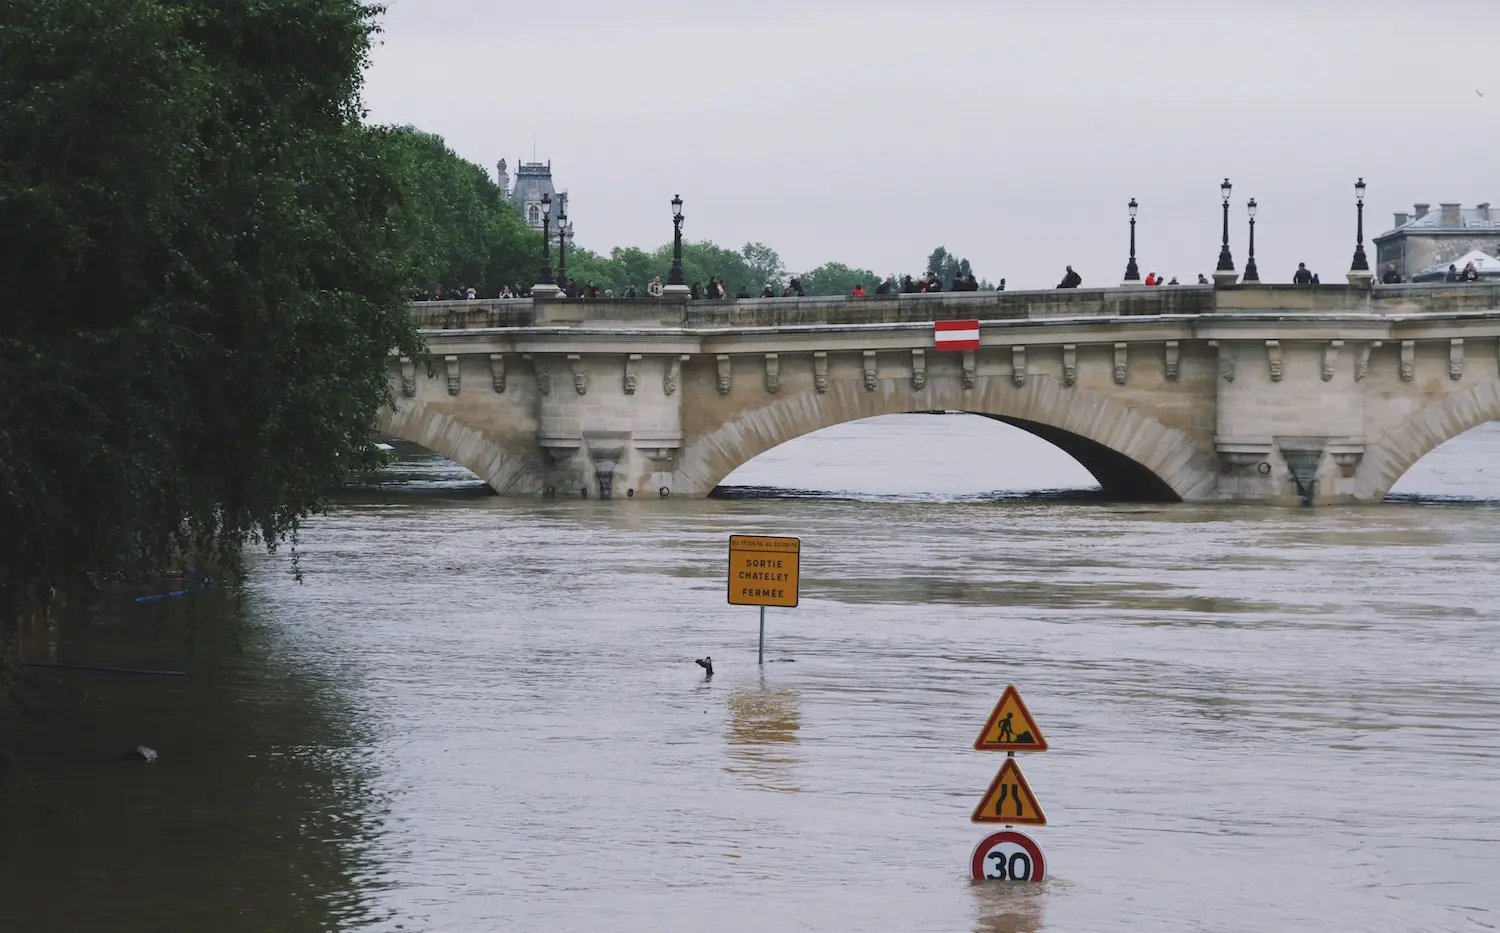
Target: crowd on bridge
(717,290)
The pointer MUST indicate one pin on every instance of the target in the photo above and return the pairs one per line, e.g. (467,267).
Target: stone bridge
(1265,394)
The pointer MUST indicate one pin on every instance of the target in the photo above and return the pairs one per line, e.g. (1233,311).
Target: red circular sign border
(1038,861)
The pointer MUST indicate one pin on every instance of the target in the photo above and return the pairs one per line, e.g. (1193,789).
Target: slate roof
(1469,219)
(533,179)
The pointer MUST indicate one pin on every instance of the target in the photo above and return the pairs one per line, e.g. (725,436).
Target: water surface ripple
(480,714)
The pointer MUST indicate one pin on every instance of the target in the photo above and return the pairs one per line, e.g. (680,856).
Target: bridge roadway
(1257,394)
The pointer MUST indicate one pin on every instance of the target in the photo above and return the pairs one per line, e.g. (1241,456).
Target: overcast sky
(870,131)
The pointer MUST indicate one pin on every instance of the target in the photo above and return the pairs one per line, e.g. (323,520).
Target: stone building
(533,179)
(1426,238)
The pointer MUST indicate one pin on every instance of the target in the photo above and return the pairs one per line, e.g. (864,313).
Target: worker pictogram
(1010,727)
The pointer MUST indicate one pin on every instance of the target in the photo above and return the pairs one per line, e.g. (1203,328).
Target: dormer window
(534,214)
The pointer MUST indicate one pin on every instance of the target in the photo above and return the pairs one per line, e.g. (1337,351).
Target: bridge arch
(506,471)
(1423,432)
(1131,454)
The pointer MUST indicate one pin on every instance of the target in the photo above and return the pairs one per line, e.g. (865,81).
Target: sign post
(763,571)
(1009,855)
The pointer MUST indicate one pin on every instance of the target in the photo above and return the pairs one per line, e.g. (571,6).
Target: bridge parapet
(836,309)
(480,312)
(1435,298)
(1048,304)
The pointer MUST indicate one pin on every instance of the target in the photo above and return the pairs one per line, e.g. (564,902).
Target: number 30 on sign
(1008,856)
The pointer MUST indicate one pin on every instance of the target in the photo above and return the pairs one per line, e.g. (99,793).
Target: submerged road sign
(1009,800)
(1010,727)
(763,570)
(1008,856)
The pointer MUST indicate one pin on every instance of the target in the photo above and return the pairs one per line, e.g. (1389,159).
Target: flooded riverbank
(478,714)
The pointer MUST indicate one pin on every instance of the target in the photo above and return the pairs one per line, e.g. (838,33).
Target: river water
(478,714)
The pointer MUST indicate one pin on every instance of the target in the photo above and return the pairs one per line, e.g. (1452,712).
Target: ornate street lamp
(1226,261)
(562,253)
(1252,274)
(1132,271)
(675,276)
(1361,264)
(545,276)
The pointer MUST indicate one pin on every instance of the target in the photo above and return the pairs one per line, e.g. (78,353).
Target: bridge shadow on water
(1095,495)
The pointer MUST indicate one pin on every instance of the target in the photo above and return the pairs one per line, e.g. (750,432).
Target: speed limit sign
(1008,856)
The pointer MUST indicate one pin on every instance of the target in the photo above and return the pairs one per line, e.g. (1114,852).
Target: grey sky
(870,131)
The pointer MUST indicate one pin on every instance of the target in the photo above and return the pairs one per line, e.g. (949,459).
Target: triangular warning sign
(1009,800)
(1010,727)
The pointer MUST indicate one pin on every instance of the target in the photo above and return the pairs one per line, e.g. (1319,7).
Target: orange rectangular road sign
(763,570)
(1009,800)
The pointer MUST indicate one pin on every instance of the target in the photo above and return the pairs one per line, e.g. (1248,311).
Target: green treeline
(471,236)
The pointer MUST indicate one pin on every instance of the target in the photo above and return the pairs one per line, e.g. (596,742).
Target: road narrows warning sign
(1009,800)
(1010,727)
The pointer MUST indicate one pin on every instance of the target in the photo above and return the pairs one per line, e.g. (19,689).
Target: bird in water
(707,663)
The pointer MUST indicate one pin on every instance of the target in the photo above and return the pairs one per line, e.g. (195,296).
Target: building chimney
(1451,214)
(1484,212)
(1419,211)
(1401,218)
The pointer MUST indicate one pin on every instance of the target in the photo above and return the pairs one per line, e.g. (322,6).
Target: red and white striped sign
(956,335)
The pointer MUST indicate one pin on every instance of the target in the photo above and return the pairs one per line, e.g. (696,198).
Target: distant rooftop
(1448,217)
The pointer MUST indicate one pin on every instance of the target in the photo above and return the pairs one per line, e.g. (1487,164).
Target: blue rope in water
(203,584)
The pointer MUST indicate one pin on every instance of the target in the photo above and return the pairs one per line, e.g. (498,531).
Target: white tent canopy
(1483,262)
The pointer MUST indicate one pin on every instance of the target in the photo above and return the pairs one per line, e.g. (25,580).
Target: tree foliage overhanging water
(205,261)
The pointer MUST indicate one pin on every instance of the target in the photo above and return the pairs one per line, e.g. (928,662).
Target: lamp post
(1226,261)
(544,281)
(1252,274)
(562,253)
(1361,264)
(675,282)
(1132,271)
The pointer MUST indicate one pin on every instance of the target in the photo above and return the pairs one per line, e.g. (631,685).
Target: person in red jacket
(859,291)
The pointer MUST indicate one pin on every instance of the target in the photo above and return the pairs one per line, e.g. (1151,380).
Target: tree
(460,229)
(764,267)
(946,266)
(205,260)
(704,260)
(835,278)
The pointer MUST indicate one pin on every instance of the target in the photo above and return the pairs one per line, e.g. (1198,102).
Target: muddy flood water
(476,714)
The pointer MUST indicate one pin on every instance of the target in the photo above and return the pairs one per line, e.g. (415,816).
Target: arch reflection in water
(763,725)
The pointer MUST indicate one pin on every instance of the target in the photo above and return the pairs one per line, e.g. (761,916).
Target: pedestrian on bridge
(1071,279)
